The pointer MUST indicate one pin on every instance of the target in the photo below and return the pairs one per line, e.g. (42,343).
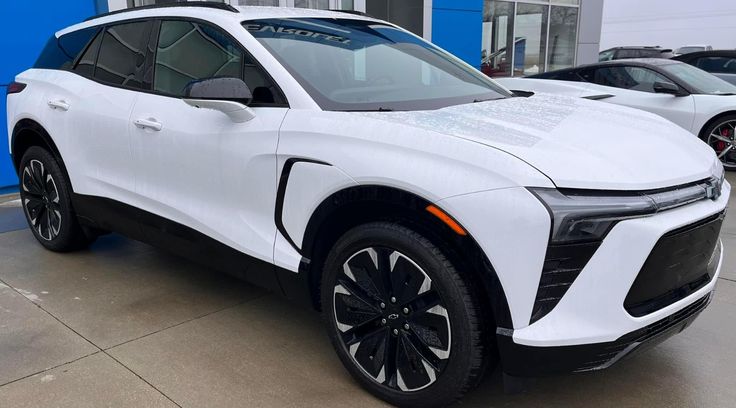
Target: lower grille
(682,262)
(647,337)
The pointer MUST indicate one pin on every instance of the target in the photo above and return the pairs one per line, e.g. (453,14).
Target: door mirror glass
(221,89)
(667,88)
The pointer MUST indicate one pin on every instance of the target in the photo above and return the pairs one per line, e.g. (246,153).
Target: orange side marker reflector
(446,219)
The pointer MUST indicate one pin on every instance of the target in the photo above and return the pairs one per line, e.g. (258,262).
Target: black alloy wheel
(41,200)
(391,320)
(46,199)
(401,318)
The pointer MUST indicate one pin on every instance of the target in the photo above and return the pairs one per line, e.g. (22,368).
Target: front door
(196,167)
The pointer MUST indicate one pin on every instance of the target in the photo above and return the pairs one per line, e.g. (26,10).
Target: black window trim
(156,28)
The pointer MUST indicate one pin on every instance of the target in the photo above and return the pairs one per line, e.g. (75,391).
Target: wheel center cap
(393,316)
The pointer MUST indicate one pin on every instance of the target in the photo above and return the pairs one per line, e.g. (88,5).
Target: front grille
(646,337)
(682,262)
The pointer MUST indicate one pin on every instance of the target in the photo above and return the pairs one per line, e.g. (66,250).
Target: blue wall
(457,26)
(25,29)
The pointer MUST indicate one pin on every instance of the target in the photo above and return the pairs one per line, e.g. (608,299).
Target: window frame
(102,32)
(155,30)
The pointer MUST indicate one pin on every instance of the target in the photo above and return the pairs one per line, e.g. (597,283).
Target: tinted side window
(61,52)
(86,64)
(718,65)
(189,51)
(631,78)
(122,56)
(624,54)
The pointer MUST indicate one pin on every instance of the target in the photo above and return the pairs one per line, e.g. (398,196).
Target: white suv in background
(438,221)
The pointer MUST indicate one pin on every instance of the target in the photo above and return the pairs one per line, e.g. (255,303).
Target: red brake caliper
(720,145)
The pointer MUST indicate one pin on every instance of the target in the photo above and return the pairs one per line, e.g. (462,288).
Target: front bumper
(528,361)
(590,328)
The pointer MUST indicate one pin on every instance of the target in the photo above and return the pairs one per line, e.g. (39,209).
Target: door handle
(60,104)
(148,124)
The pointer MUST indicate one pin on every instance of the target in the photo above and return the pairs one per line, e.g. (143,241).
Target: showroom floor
(126,325)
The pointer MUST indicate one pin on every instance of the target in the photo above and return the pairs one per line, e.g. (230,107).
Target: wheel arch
(711,121)
(28,133)
(357,205)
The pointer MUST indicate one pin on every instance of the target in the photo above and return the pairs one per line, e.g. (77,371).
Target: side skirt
(110,215)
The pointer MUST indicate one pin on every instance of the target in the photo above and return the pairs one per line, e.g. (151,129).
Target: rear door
(633,86)
(117,66)
(196,167)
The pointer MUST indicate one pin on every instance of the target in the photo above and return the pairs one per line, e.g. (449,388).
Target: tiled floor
(125,325)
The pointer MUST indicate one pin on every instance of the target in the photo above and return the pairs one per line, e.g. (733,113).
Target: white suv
(441,223)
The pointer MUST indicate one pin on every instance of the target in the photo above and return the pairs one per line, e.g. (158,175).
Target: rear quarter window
(60,53)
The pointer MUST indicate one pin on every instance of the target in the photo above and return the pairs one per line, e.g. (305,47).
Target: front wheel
(403,321)
(721,136)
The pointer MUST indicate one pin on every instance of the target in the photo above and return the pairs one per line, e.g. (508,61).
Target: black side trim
(111,215)
(527,361)
(281,195)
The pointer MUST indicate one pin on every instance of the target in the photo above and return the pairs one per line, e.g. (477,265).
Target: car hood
(575,142)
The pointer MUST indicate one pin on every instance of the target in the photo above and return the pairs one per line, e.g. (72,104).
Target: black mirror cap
(669,88)
(221,89)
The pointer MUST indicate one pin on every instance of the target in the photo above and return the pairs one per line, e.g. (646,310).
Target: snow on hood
(576,142)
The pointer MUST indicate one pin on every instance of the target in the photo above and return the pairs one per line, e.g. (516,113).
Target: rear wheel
(46,199)
(401,318)
(721,136)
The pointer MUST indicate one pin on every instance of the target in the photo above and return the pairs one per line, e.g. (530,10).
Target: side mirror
(668,88)
(230,96)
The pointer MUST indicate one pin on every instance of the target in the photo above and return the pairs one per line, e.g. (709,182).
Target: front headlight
(584,218)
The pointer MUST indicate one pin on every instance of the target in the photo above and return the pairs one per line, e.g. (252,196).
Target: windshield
(700,81)
(356,65)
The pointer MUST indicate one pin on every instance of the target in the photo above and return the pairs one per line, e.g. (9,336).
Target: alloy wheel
(41,200)
(723,140)
(391,320)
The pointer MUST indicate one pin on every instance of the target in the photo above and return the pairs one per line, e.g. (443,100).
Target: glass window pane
(631,78)
(347,5)
(315,4)
(86,64)
(189,51)
(531,37)
(575,2)
(563,29)
(720,65)
(498,31)
(123,54)
(408,14)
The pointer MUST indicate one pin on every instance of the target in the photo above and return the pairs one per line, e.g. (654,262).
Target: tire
(721,136)
(46,198)
(372,331)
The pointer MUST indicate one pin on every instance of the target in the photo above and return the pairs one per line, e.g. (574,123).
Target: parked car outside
(437,221)
(691,98)
(619,53)
(721,63)
(692,48)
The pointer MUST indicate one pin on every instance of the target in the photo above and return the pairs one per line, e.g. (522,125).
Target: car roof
(637,47)
(714,53)
(241,13)
(635,61)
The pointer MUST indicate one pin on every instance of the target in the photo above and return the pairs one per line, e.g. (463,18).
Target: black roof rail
(205,4)
(355,12)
